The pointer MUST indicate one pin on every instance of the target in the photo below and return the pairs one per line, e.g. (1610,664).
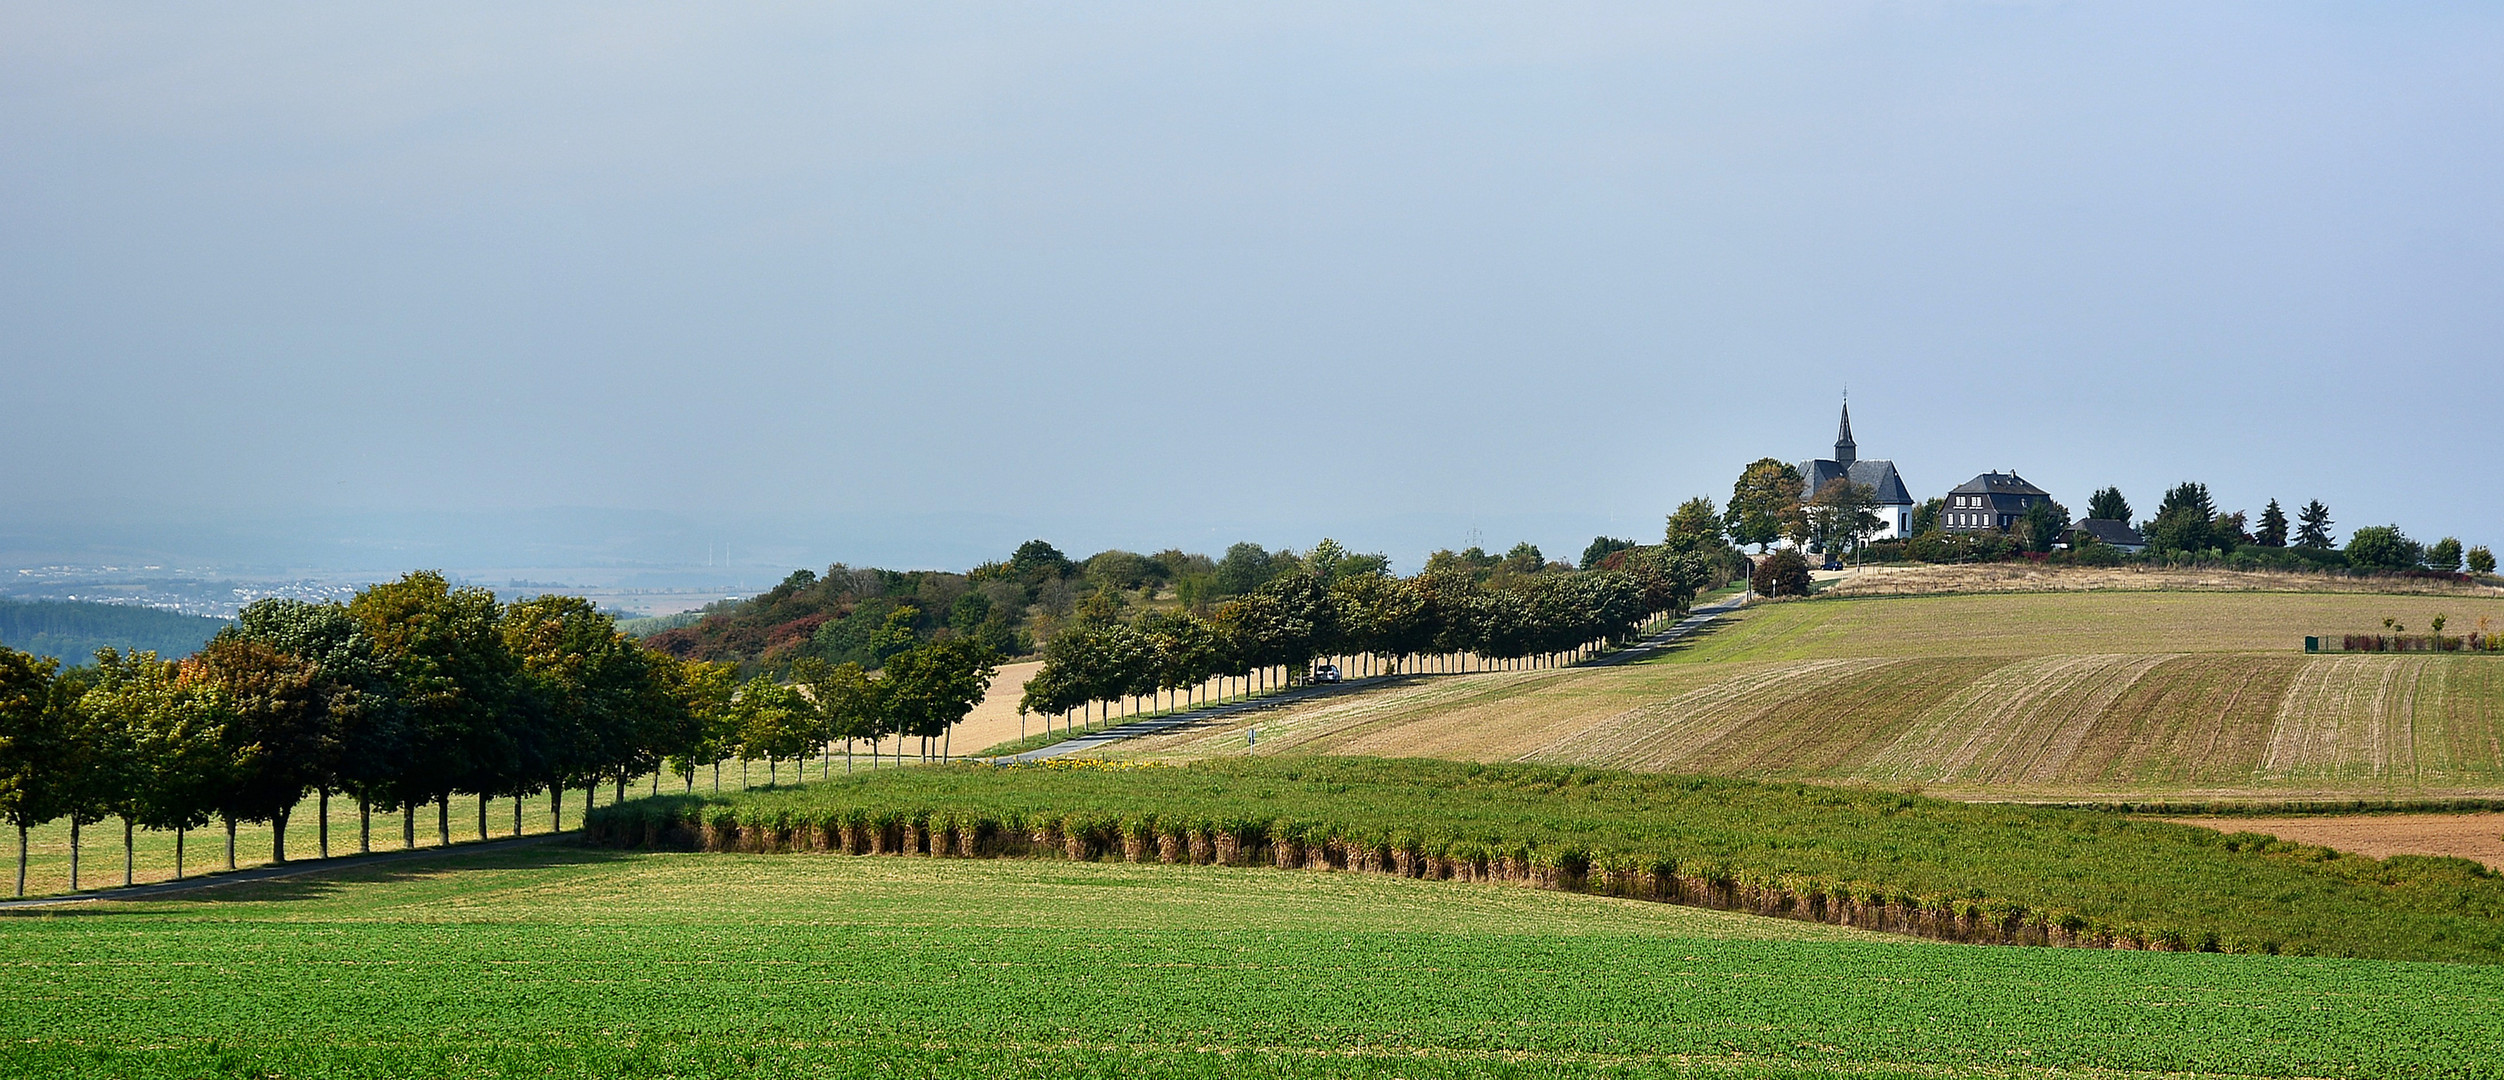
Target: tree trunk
(364,825)
(73,853)
(129,850)
(278,839)
(178,851)
(443,818)
(482,817)
(324,828)
(621,789)
(21,860)
(591,798)
(517,813)
(408,826)
(717,778)
(556,806)
(230,843)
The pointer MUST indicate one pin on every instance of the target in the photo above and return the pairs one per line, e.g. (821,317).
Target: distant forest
(72,630)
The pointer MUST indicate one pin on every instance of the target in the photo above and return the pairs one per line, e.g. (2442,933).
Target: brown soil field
(2065,696)
(2469,836)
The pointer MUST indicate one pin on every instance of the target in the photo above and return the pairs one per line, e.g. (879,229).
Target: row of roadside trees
(1354,607)
(408,694)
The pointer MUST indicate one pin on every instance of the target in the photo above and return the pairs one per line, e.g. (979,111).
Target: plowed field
(2054,696)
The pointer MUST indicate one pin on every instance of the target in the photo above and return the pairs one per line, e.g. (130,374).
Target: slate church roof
(1877,475)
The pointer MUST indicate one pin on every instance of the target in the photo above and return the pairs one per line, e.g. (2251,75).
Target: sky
(905,284)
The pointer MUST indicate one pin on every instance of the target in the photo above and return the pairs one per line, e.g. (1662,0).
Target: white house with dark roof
(1895,501)
(1991,501)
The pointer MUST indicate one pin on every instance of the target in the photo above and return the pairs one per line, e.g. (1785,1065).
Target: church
(1895,503)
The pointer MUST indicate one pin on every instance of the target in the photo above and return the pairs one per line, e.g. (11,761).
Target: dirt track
(2469,836)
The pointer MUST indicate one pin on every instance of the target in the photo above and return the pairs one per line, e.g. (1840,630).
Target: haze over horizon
(622,285)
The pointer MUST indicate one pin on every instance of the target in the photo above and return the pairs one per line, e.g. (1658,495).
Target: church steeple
(1846,451)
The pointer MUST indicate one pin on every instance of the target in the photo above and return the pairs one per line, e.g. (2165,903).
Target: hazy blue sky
(905,283)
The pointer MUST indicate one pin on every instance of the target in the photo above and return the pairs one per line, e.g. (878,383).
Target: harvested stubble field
(2050,696)
(558,962)
(1867,859)
(1932,579)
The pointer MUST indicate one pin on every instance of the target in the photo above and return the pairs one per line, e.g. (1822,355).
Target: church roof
(1877,475)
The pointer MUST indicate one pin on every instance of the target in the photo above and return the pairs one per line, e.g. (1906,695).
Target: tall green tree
(1695,526)
(361,738)
(2445,555)
(2185,520)
(2383,547)
(776,723)
(854,704)
(273,733)
(2045,521)
(1843,514)
(2313,526)
(1599,548)
(2273,530)
(1926,517)
(173,731)
(1763,503)
(459,687)
(2107,503)
(2481,560)
(35,785)
(931,687)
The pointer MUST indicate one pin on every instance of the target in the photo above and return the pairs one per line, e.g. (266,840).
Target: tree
(458,685)
(703,690)
(2108,504)
(775,722)
(1763,503)
(854,705)
(931,687)
(1784,573)
(1843,514)
(1246,567)
(1694,526)
(2313,526)
(273,733)
(1601,547)
(172,734)
(34,781)
(2045,521)
(2185,521)
(2445,555)
(2273,531)
(361,739)
(2481,560)
(2383,547)
(1926,516)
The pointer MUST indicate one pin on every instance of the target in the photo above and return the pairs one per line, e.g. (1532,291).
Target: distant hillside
(73,630)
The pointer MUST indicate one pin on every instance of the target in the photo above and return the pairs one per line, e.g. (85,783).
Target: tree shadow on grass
(327,879)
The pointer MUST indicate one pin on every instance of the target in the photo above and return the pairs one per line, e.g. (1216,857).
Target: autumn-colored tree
(1764,503)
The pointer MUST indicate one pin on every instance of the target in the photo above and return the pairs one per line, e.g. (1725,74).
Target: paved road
(265,873)
(1645,647)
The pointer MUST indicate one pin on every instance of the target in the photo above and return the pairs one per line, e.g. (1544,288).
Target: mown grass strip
(1858,857)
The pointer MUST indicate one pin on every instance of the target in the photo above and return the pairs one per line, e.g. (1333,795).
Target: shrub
(1784,573)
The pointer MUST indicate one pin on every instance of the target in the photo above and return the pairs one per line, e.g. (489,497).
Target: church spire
(1846,451)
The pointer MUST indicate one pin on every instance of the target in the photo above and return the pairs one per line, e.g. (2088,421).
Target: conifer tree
(2273,532)
(2313,526)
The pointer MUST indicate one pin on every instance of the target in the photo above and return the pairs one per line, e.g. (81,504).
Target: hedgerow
(1868,858)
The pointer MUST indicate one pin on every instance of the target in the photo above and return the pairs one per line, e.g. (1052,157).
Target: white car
(1325,673)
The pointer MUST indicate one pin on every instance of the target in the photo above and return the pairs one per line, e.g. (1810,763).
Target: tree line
(409,693)
(1335,603)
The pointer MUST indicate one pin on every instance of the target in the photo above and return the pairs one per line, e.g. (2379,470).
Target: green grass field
(1872,858)
(579,963)
(2052,696)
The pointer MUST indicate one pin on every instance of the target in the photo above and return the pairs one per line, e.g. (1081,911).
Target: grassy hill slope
(1863,858)
(72,630)
(572,962)
(2089,696)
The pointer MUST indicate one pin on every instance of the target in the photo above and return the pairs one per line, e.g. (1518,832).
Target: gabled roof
(1995,483)
(2112,531)
(1878,475)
